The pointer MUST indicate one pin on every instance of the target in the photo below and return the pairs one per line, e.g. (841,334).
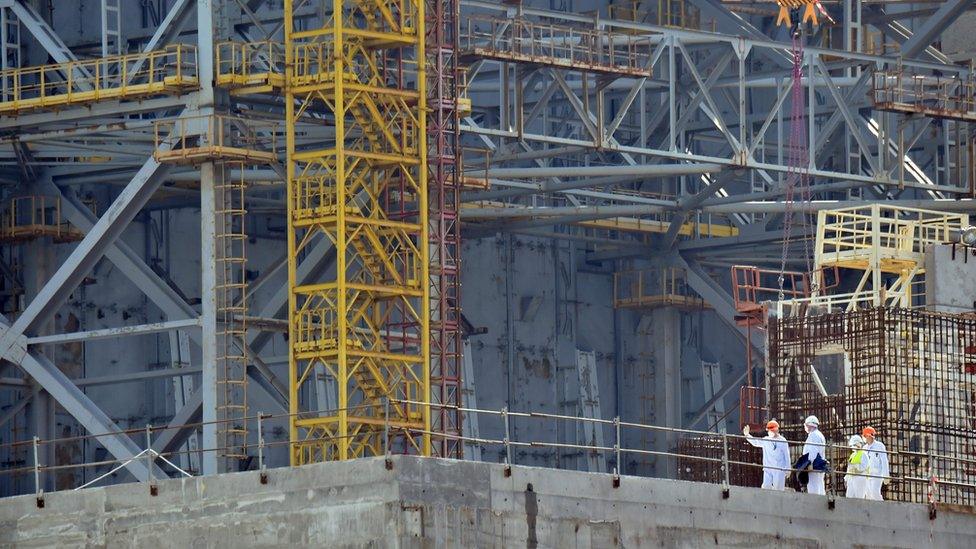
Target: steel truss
(703,98)
(444,131)
(367,325)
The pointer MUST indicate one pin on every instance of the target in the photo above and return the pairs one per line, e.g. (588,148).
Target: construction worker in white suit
(877,455)
(814,448)
(776,455)
(857,466)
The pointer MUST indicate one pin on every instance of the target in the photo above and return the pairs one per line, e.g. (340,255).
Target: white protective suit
(776,460)
(877,467)
(857,465)
(813,447)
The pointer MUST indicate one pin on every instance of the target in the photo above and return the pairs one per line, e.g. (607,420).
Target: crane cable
(797,177)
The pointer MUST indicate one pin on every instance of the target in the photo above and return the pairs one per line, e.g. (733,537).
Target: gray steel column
(208,317)
(667,383)
(208,254)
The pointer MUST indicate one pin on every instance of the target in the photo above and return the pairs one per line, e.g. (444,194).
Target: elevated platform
(251,67)
(421,502)
(26,218)
(558,46)
(654,288)
(170,71)
(196,139)
(926,95)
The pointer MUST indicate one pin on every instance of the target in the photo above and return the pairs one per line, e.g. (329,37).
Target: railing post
(386,432)
(149,461)
(933,513)
(725,466)
(618,467)
(38,491)
(508,446)
(832,495)
(261,466)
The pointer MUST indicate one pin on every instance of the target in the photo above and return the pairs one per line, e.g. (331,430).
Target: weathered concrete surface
(440,503)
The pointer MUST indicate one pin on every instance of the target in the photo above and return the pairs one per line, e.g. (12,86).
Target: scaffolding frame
(368,324)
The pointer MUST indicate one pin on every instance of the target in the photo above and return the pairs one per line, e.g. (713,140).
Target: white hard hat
(856,440)
(811,420)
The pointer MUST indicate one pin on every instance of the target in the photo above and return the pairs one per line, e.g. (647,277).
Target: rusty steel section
(444,98)
(559,46)
(910,374)
(946,96)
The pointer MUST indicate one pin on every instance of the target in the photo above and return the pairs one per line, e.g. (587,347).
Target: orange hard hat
(868,431)
(773,424)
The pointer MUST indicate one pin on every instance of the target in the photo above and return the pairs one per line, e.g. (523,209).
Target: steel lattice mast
(366,324)
(444,134)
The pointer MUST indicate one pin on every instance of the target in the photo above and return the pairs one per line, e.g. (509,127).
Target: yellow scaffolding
(169,71)
(887,244)
(366,325)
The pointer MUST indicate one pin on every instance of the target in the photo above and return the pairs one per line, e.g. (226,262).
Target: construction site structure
(368,324)
(446,103)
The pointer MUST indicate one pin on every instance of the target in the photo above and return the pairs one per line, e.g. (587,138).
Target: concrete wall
(440,503)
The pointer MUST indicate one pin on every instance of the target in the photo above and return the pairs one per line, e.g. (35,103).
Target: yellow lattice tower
(365,323)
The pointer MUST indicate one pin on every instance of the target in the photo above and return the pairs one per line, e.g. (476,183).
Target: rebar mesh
(910,374)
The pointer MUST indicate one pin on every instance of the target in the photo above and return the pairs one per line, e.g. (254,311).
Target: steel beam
(87,253)
(109,333)
(14,409)
(89,415)
(933,27)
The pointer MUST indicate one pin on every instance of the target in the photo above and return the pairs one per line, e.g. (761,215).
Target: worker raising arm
(776,455)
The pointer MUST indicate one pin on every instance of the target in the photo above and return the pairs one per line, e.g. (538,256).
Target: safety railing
(202,138)
(518,39)
(703,456)
(939,96)
(34,216)
(852,236)
(171,70)
(251,67)
(752,287)
(654,287)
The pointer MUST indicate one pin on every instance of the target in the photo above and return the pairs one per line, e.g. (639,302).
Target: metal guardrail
(597,50)
(166,71)
(938,96)
(207,137)
(943,470)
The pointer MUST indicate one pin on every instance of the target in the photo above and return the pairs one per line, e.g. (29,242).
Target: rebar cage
(910,374)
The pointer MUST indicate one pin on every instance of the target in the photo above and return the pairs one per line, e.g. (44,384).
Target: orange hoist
(810,9)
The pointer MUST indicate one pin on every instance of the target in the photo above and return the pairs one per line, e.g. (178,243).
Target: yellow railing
(34,216)
(171,70)
(200,138)
(653,287)
(254,66)
(893,233)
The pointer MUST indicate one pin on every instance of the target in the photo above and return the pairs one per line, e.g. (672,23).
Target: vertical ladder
(179,357)
(9,49)
(469,427)
(231,311)
(111,28)
(52,43)
(711,384)
(591,433)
